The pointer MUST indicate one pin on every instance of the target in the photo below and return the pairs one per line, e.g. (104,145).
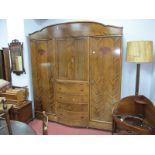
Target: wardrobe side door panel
(104,79)
(51,59)
(117,69)
(34,65)
(45,74)
(72,58)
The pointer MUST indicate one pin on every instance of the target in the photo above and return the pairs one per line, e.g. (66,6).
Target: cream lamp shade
(139,51)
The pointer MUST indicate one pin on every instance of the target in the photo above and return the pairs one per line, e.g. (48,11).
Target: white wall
(19,29)
(3,33)
(15,28)
(29,27)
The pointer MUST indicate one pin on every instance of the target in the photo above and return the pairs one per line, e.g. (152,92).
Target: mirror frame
(16,54)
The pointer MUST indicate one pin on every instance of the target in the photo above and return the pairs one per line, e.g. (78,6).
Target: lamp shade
(139,51)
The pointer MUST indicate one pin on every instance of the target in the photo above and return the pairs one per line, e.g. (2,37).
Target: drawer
(72,115)
(83,122)
(72,87)
(73,99)
(72,107)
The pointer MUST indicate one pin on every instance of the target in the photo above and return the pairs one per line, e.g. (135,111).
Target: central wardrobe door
(72,89)
(105,63)
(72,59)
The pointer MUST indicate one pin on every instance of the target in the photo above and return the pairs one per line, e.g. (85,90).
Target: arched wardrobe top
(76,29)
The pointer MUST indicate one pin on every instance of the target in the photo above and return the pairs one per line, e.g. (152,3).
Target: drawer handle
(81,90)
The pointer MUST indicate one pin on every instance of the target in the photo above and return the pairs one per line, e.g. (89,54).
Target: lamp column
(137,79)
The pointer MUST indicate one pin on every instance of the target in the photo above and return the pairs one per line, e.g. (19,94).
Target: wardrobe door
(72,58)
(42,53)
(105,79)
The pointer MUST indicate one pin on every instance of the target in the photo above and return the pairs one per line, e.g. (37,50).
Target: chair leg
(8,123)
(7,117)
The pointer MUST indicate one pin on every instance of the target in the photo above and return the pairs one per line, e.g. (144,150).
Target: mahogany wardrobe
(76,72)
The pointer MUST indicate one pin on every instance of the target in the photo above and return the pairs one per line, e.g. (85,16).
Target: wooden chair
(12,127)
(4,115)
(44,123)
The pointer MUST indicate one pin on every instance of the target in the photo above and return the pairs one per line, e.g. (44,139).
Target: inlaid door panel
(36,90)
(72,58)
(105,75)
(44,73)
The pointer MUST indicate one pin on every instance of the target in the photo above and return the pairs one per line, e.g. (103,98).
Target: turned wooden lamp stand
(139,52)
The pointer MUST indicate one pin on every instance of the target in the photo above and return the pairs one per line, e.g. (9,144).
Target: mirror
(16,53)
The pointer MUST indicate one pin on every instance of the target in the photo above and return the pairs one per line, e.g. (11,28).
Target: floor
(59,129)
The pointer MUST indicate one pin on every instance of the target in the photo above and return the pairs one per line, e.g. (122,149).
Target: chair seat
(18,128)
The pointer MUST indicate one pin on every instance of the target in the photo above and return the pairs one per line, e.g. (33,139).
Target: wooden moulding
(76,29)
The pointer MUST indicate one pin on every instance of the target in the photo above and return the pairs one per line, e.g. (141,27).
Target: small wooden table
(18,128)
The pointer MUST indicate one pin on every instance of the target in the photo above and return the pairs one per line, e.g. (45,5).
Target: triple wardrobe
(76,72)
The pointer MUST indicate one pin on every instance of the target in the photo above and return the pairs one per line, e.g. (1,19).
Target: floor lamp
(139,52)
